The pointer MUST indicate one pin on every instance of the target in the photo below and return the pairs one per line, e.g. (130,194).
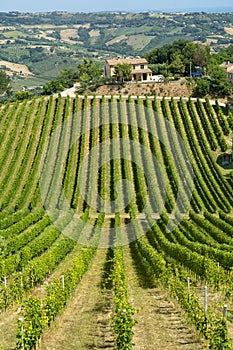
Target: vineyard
(133,185)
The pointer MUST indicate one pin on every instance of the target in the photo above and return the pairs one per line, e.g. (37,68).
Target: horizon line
(217,9)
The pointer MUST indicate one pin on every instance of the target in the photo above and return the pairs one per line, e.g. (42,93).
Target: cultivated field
(68,34)
(15,67)
(124,213)
(229,30)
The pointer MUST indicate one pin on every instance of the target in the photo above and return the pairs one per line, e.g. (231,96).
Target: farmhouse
(229,70)
(230,74)
(139,68)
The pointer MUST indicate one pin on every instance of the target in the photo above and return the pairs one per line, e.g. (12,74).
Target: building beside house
(229,70)
(230,74)
(139,68)
(226,65)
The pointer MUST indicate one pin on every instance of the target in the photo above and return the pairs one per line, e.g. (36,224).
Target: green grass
(14,34)
(139,41)
(18,84)
(51,66)
(131,31)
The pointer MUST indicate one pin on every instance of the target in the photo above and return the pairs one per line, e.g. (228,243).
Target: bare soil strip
(85,324)
(160,324)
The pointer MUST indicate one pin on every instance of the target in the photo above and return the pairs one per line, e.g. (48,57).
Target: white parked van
(157,78)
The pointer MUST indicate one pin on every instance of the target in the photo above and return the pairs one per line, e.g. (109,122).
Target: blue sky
(109,5)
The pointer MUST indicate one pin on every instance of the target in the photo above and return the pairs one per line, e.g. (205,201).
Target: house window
(134,67)
(142,66)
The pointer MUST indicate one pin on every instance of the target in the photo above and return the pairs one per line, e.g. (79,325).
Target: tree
(220,86)
(202,87)
(123,71)
(180,53)
(159,68)
(52,87)
(22,95)
(188,56)
(67,77)
(89,73)
(5,88)
(177,66)
(225,55)
(202,56)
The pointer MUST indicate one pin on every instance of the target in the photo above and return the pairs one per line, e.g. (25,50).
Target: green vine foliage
(213,326)
(37,315)
(123,320)
(218,335)
(31,326)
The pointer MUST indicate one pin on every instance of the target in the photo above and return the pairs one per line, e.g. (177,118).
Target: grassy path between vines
(85,324)
(160,324)
(8,329)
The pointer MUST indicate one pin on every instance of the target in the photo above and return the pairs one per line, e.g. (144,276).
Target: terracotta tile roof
(226,65)
(131,60)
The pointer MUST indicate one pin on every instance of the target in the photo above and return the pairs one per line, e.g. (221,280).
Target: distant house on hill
(139,68)
(230,74)
(229,70)
(226,65)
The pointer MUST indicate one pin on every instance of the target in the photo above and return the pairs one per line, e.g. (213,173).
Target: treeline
(184,58)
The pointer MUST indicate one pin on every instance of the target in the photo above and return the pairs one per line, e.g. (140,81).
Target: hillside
(114,209)
(49,42)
